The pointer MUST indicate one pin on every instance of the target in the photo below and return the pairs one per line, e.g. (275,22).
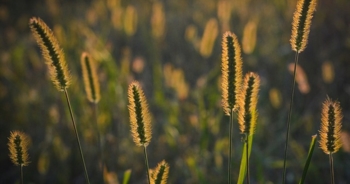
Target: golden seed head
(52,53)
(248,99)
(140,119)
(18,146)
(159,175)
(231,68)
(301,24)
(330,130)
(91,83)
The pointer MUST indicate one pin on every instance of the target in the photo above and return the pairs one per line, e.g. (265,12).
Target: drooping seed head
(159,175)
(301,24)
(51,52)
(140,120)
(231,68)
(91,83)
(330,131)
(248,99)
(18,146)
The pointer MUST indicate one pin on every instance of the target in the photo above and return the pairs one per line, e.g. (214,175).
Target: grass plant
(330,131)
(58,69)
(18,146)
(247,113)
(231,83)
(92,89)
(140,120)
(300,32)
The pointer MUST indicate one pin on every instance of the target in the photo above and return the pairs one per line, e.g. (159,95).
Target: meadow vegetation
(153,73)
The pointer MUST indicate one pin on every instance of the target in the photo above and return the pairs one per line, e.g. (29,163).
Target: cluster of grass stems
(239,102)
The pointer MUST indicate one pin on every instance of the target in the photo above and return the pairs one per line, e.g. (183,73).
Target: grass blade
(126,176)
(308,160)
(243,167)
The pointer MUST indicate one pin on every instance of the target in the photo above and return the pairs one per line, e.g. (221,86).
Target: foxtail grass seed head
(52,53)
(159,175)
(301,24)
(330,131)
(140,119)
(91,83)
(18,146)
(231,68)
(248,98)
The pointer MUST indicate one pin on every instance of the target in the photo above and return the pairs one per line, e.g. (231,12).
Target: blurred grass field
(173,47)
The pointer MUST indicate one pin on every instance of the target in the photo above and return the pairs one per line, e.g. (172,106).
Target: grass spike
(159,175)
(52,53)
(18,146)
(248,99)
(301,24)
(91,83)
(140,119)
(330,131)
(231,72)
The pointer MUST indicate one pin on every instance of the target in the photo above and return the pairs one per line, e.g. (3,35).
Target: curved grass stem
(289,118)
(77,136)
(146,162)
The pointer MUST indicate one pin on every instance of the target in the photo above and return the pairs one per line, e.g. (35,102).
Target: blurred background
(173,48)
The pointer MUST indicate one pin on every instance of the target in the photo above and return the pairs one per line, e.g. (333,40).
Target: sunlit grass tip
(159,175)
(140,119)
(330,130)
(301,24)
(248,98)
(91,83)
(18,146)
(52,53)
(231,72)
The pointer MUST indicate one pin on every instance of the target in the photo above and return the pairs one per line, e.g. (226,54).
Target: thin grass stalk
(331,168)
(77,136)
(230,151)
(247,155)
(147,166)
(21,168)
(289,118)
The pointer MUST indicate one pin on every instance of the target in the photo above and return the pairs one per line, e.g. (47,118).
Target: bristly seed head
(91,83)
(301,24)
(140,120)
(231,72)
(18,146)
(159,175)
(52,53)
(248,99)
(330,131)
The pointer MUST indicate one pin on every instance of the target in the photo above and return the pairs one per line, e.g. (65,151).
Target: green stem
(147,167)
(289,118)
(247,155)
(77,136)
(21,167)
(331,167)
(230,151)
